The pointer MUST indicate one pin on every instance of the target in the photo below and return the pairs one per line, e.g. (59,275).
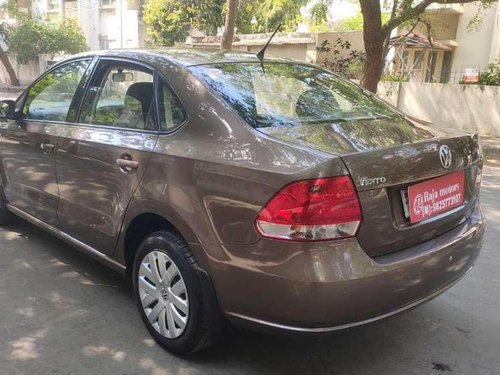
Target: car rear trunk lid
(382,178)
(384,158)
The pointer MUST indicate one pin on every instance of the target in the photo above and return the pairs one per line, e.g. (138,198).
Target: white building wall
(109,26)
(88,19)
(131,34)
(475,47)
(469,108)
(495,41)
(118,24)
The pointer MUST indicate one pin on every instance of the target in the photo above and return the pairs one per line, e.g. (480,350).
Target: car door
(101,160)
(27,144)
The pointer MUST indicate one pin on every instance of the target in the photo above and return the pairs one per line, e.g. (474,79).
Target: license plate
(432,197)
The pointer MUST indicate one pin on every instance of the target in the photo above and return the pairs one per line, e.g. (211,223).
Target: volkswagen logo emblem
(164,293)
(445,156)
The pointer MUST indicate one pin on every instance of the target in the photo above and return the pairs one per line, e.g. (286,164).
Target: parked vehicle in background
(277,196)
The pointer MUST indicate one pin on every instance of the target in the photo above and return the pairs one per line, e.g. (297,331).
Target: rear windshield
(284,94)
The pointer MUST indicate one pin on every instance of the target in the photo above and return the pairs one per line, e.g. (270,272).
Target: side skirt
(70,240)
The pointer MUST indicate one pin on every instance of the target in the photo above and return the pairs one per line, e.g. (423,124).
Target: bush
(341,59)
(34,37)
(492,76)
(395,78)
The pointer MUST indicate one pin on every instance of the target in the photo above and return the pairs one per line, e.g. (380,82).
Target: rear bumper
(328,286)
(261,324)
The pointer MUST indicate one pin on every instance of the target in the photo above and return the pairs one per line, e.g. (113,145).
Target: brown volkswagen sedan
(276,196)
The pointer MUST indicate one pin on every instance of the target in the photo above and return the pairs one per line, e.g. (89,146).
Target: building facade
(464,38)
(105,23)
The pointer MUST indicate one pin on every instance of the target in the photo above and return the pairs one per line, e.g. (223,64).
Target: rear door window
(122,97)
(172,114)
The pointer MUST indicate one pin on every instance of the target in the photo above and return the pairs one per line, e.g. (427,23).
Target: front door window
(51,97)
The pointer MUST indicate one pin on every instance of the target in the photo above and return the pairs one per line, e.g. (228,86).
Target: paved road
(64,313)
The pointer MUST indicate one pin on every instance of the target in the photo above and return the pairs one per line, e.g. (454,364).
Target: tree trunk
(374,38)
(227,36)
(8,67)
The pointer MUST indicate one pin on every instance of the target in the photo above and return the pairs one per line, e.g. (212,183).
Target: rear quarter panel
(211,177)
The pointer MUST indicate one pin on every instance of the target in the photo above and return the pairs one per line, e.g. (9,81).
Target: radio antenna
(262,52)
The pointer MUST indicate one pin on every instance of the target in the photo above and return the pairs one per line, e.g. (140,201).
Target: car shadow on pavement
(71,306)
(76,312)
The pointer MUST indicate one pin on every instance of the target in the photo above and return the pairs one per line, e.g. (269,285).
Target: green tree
(319,11)
(263,16)
(33,37)
(4,58)
(318,16)
(377,34)
(340,58)
(491,76)
(169,21)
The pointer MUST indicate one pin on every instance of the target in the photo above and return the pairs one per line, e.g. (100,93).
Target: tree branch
(395,4)
(408,33)
(415,11)
(407,15)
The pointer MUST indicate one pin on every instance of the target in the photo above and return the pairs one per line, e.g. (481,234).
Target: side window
(50,98)
(121,97)
(171,112)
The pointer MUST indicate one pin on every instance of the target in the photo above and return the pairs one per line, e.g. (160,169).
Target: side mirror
(7,109)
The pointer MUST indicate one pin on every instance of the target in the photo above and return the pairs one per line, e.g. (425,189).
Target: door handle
(127,165)
(47,147)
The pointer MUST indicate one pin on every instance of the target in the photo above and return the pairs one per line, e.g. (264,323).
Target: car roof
(184,56)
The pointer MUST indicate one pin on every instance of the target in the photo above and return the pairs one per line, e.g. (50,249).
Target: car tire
(171,289)
(5,215)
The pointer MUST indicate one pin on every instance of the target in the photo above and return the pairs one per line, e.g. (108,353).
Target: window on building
(105,42)
(53,5)
(402,62)
(446,67)
(431,66)
(107,3)
(405,57)
(418,58)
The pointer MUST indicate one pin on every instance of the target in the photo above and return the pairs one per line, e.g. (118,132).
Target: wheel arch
(139,224)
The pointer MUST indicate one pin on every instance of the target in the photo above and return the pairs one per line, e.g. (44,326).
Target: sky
(339,9)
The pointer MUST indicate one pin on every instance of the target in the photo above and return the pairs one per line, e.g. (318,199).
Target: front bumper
(326,286)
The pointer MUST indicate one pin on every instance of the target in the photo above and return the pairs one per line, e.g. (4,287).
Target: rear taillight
(320,209)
